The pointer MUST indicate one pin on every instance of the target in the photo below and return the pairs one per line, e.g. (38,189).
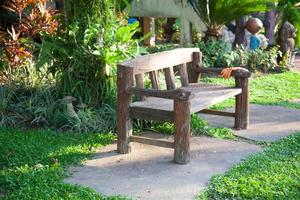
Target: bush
(258,60)
(218,54)
(83,55)
(214,52)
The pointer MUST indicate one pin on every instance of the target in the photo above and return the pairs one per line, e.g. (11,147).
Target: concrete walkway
(267,123)
(149,173)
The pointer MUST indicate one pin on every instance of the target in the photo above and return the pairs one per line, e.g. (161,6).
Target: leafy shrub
(18,41)
(83,56)
(214,52)
(41,108)
(258,60)
(217,54)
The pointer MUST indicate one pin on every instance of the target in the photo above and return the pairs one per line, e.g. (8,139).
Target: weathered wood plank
(242,73)
(151,114)
(124,123)
(184,78)
(139,79)
(168,94)
(160,60)
(154,79)
(150,141)
(193,74)
(203,97)
(170,78)
(217,112)
(211,98)
(182,130)
(242,104)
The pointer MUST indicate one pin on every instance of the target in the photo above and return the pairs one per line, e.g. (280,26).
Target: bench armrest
(167,94)
(239,73)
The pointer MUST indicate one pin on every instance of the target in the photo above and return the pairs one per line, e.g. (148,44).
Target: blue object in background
(132,20)
(254,42)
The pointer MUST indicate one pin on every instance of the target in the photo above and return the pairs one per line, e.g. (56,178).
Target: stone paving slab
(149,173)
(296,101)
(267,123)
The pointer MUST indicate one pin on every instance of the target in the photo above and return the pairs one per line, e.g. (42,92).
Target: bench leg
(182,131)
(242,104)
(124,123)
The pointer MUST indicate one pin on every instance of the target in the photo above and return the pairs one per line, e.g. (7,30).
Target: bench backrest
(165,61)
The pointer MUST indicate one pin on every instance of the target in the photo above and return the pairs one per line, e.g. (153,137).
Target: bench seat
(204,95)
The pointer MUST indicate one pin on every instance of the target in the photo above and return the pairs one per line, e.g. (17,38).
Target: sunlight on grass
(272,89)
(272,174)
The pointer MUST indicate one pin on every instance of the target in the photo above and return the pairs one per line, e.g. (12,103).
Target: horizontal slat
(217,112)
(160,60)
(239,73)
(151,114)
(149,141)
(168,94)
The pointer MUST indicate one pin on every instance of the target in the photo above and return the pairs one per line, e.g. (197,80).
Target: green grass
(198,127)
(33,163)
(272,89)
(272,174)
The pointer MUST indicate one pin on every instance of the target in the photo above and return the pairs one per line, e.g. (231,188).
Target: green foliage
(271,89)
(33,164)
(218,54)
(272,174)
(83,55)
(263,60)
(198,127)
(40,107)
(160,48)
(217,13)
(291,14)
(214,53)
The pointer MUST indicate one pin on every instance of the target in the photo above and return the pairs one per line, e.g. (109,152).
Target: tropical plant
(18,41)
(216,13)
(218,54)
(214,52)
(83,55)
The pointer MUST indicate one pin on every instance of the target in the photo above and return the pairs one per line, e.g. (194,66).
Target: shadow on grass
(33,163)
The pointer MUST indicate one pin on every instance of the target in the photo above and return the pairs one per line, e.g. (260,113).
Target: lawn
(33,163)
(272,174)
(271,89)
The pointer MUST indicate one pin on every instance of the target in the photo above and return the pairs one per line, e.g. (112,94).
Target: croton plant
(34,17)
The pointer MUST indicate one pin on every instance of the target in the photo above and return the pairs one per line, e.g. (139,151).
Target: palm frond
(220,12)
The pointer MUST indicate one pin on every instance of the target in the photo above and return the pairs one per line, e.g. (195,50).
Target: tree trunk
(270,24)
(169,31)
(240,32)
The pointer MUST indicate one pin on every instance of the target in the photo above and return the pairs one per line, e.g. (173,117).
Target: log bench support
(124,127)
(173,105)
(242,104)
(182,117)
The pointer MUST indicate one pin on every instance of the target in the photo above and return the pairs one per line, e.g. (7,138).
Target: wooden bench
(173,105)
